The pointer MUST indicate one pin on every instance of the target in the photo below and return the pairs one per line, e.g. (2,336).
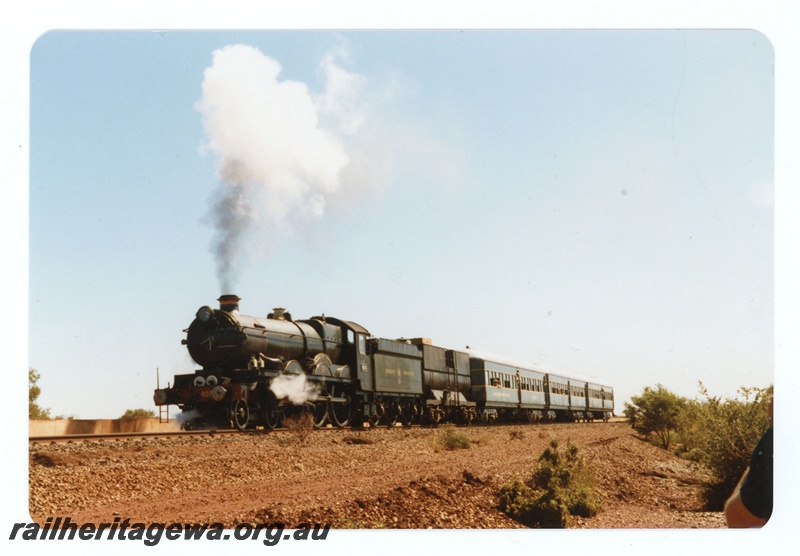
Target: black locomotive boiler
(256,370)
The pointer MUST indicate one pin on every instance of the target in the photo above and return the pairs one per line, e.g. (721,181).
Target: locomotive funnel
(229,302)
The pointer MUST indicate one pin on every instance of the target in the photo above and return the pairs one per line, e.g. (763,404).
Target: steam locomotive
(257,371)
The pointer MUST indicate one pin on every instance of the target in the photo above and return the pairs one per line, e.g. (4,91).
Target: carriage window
(362,344)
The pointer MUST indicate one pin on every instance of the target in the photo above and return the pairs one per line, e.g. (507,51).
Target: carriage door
(546,383)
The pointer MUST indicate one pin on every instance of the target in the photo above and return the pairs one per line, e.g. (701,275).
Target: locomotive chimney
(229,302)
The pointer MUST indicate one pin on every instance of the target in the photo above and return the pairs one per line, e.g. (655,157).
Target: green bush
(138,414)
(561,484)
(35,411)
(534,508)
(655,414)
(449,439)
(721,434)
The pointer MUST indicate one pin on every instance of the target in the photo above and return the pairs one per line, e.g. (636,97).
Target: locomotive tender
(256,370)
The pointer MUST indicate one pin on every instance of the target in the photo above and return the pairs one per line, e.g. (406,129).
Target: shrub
(138,414)
(531,507)
(35,411)
(449,439)
(299,423)
(561,484)
(655,413)
(722,434)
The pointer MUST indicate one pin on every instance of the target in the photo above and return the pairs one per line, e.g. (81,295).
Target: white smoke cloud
(279,148)
(287,156)
(295,388)
(343,105)
(185,416)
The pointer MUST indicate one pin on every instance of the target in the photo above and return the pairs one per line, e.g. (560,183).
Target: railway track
(66,438)
(69,438)
(125,435)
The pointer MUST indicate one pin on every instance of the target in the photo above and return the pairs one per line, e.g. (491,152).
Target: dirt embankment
(375,478)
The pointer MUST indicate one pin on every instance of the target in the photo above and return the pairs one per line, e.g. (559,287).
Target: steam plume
(280,150)
(295,388)
(186,416)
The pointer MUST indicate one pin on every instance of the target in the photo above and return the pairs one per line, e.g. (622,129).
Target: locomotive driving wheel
(320,414)
(240,414)
(340,413)
(271,417)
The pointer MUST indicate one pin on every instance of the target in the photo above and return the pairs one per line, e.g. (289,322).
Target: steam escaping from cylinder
(186,416)
(280,149)
(294,388)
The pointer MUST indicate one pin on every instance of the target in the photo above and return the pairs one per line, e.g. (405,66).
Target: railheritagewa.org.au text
(151,534)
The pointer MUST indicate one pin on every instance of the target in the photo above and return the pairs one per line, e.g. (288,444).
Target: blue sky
(600,202)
